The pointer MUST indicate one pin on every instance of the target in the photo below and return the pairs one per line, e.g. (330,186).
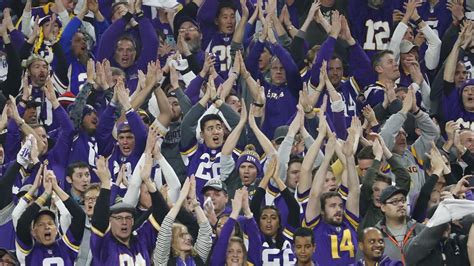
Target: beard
(194,45)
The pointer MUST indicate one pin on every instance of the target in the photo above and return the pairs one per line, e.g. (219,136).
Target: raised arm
(305,181)
(349,148)
(313,209)
(163,242)
(262,139)
(100,217)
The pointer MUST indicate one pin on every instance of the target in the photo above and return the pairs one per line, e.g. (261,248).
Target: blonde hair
(176,230)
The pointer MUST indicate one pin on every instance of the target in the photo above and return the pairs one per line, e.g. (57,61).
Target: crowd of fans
(227,132)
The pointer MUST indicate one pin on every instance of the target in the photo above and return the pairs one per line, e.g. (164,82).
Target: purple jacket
(149,47)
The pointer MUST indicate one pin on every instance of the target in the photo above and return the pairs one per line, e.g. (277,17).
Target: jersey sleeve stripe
(418,160)
(22,250)
(311,224)
(190,151)
(354,84)
(70,244)
(351,220)
(98,232)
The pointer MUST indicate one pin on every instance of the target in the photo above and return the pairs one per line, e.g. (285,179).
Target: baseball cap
(391,191)
(45,211)
(406,46)
(32,104)
(122,207)
(280,132)
(215,184)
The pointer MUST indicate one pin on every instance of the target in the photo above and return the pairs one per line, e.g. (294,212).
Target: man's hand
(91,76)
(50,93)
(345,33)
(377,149)
(335,24)
(103,172)
(415,73)
(457,9)
(407,103)
(437,162)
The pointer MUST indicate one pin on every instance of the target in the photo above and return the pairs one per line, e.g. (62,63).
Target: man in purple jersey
(386,67)
(113,240)
(203,159)
(334,223)
(372,246)
(38,243)
(217,22)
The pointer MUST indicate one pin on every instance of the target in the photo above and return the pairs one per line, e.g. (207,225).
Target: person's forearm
(451,62)
(171,178)
(432,54)
(100,219)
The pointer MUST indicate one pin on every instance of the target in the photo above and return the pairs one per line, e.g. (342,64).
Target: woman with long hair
(276,239)
(174,245)
(230,249)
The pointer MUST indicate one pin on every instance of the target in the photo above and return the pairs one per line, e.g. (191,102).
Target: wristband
(418,21)
(417,111)
(28,197)
(139,14)
(310,110)
(24,101)
(41,201)
(258,104)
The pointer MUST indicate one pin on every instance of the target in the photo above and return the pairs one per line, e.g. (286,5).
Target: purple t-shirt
(63,252)
(106,250)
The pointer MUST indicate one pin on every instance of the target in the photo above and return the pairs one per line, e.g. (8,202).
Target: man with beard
(38,73)
(334,223)
(372,245)
(180,105)
(397,228)
(188,37)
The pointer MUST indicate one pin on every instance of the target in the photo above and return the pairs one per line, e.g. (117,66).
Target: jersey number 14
(345,245)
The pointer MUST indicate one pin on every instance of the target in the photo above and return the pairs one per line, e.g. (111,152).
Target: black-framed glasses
(395,202)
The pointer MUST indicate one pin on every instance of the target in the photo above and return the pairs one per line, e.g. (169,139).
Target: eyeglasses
(90,198)
(397,201)
(187,30)
(122,218)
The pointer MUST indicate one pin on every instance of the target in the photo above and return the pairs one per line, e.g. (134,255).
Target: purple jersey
(219,46)
(272,255)
(205,164)
(371,27)
(106,250)
(335,244)
(63,252)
